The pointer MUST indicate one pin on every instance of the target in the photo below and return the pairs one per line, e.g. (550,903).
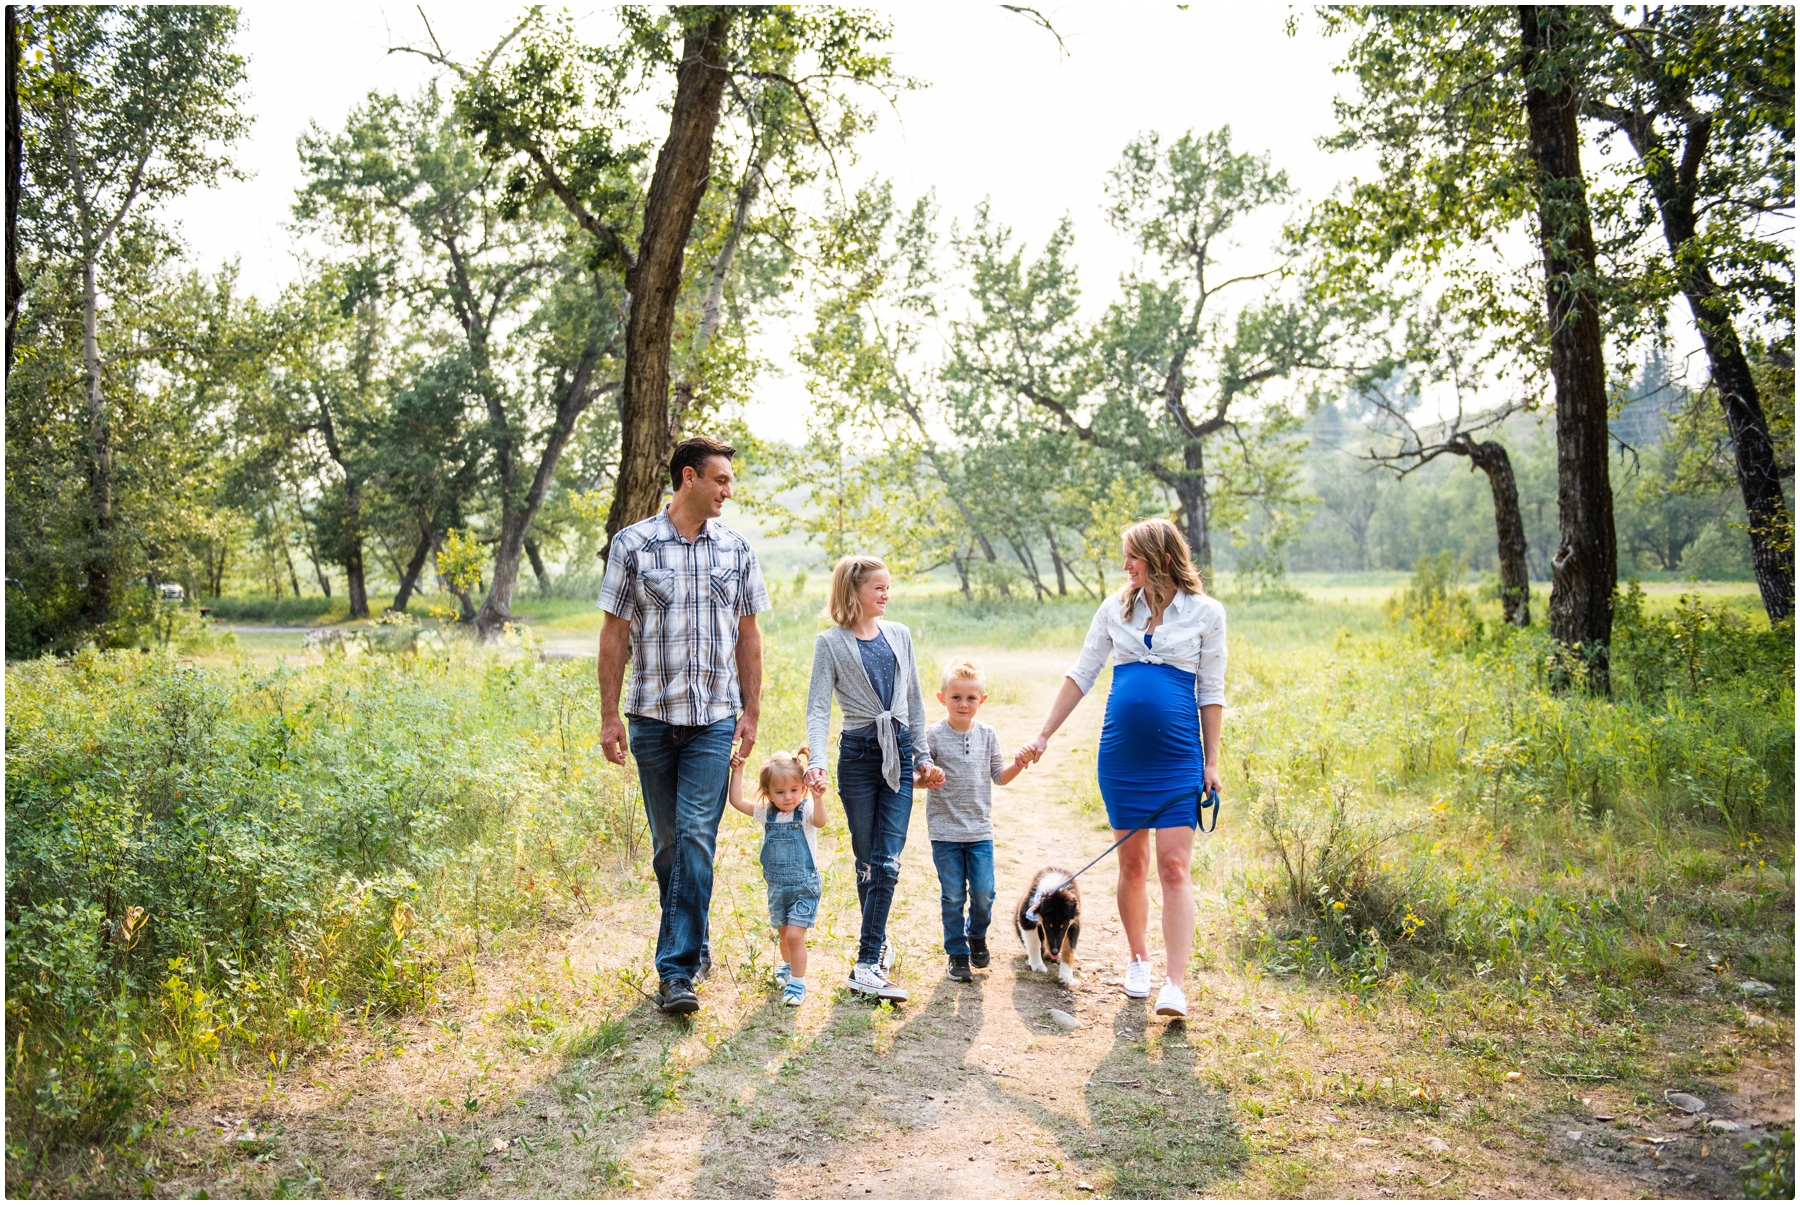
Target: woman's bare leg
(1175,870)
(1134,891)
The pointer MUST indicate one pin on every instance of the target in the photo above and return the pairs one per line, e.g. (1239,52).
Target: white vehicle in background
(172,592)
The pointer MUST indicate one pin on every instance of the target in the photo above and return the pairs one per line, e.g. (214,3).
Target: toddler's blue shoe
(793,993)
(782,974)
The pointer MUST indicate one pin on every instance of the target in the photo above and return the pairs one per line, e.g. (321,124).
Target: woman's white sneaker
(1171,1001)
(1137,978)
(866,977)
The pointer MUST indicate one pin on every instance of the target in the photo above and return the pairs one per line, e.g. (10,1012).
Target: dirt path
(543,1074)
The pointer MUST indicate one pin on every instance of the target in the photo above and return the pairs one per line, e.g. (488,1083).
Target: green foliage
(1420,803)
(1436,607)
(209,863)
(1769,1175)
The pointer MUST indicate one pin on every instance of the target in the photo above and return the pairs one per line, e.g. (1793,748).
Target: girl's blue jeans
(877,817)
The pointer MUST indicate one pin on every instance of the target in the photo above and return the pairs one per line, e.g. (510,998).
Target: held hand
(744,737)
(929,777)
(1211,778)
(738,760)
(612,740)
(1028,754)
(815,780)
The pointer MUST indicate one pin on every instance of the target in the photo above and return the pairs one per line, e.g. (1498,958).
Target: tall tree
(127,107)
(1475,116)
(1167,368)
(15,168)
(1705,97)
(552,112)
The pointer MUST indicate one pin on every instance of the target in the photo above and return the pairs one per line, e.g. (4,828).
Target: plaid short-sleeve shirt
(683,599)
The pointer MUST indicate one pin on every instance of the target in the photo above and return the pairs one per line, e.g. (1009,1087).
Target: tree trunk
(1585,569)
(15,150)
(654,282)
(1674,181)
(1062,589)
(410,579)
(98,603)
(355,588)
(1509,528)
(287,553)
(962,573)
(1190,489)
(516,519)
(537,567)
(312,554)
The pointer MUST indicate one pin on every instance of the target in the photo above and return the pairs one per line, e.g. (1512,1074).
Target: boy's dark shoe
(676,996)
(705,971)
(978,952)
(959,968)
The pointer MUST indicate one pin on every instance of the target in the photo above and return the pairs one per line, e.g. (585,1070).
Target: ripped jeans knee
(882,870)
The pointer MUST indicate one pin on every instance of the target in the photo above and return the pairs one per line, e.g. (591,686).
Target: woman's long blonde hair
(789,767)
(844,608)
(1164,550)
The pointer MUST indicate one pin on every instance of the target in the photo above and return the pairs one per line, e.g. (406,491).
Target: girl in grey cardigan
(867,662)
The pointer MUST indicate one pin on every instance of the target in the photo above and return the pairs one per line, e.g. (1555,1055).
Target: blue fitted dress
(1152,760)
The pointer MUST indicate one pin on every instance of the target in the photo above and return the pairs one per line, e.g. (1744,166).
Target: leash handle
(1208,799)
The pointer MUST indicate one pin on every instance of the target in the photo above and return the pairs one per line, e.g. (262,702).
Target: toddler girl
(790,856)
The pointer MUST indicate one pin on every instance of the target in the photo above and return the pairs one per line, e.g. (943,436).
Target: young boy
(959,815)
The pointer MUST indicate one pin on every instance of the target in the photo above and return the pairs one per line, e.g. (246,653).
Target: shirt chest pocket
(656,588)
(725,586)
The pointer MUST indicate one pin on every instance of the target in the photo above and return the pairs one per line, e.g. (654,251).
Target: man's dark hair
(693,454)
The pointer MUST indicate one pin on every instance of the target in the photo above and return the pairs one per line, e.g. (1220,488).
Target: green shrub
(208,861)
(1769,1175)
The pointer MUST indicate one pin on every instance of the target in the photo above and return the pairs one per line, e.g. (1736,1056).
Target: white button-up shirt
(1190,637)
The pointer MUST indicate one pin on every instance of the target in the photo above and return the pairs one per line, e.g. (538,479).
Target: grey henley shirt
(963,808)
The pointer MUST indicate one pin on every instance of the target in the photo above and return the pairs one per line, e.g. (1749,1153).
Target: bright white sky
(1007,116)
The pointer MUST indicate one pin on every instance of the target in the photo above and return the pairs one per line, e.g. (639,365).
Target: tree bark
(537,566)
(712,307)
(1585,569)
(1674,183)
(409,580)
(355,586)
(1062,589)
(654,282)
(15,150)
(98,601)
(1509,527)
(516,520)
(1190,488)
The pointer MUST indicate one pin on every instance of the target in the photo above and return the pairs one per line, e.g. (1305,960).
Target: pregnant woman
(1159,747)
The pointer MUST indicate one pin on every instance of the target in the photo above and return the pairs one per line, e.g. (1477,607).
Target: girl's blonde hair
(785,766)
(847,578)
(1164,550)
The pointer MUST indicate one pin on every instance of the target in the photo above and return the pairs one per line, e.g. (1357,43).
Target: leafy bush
(1436,607)
(1769,1176)
(203,861)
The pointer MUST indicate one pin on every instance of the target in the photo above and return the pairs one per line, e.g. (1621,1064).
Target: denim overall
(788,869)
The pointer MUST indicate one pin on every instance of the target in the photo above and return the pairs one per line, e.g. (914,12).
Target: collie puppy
(1054,900)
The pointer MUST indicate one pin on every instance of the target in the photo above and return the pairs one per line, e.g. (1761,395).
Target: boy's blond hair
(790,767)
(964,669)
(847,577)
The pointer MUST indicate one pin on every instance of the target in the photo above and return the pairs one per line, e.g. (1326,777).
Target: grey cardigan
(837,668)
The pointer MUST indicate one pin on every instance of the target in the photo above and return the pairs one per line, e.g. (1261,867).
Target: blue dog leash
(1209,798)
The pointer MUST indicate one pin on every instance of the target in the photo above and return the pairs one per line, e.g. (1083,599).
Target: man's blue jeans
(877,816)
(683,772)
(965,872)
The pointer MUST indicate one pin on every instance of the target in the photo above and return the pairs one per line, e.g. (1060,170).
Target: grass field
(386,914)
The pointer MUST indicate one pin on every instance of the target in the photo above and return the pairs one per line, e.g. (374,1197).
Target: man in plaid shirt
(681,595)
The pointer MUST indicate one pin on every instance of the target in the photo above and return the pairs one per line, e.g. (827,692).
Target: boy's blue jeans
(965,872)
(683,772)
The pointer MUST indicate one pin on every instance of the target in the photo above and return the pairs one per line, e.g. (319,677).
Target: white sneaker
(887,956)
(1137,978)
(782,974)
(866,977)
(1171,1001)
